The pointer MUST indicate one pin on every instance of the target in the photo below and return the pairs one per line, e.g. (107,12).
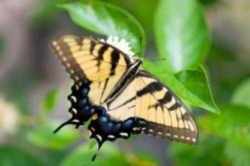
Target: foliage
(45,11)
(227,137)
(209,2)
(182,36)
(10,156)
(109,155)
(108,20)
(43,136)
(183,41)
(191,85)
(208,152)
(231,124)
(241,95)
(49,101)
(237,155)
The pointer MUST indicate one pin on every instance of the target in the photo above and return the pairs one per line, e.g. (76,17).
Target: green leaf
(43,136)
(143,159)
(208,151)
(142,12)
(109,155)
(209,2)
(237,155)
(182,35)
(232,124)
(242,94)
(45,11)
(107,20)
(11,156)
(220,54)
(191,85)
(223,90)
(50,100)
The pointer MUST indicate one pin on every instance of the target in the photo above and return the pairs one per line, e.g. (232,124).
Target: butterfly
(117,97)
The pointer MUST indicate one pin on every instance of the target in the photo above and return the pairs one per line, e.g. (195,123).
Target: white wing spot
(64,59)
(111,136)
(61,54)
(159,132)
(168,134)
(76,78)
(136,129)
(77,87)
(57,47)
(124,134)
(67,64)
(73,98)
(194,140)
(54,43)
(74,110)
(99,137)
(151,130)
(191,126)
(76,121)
(183,111)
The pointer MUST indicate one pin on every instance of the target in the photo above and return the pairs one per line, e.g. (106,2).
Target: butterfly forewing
(86,58)
(147,98)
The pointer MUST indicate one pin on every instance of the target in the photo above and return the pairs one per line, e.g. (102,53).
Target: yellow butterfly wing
(147,98)
(95,61)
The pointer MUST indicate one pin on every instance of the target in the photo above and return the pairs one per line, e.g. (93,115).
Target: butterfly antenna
(62,125)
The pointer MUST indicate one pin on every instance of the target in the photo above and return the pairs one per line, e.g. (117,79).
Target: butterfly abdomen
(104,128)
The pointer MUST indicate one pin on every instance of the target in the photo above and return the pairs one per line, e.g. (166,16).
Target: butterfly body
(117,96)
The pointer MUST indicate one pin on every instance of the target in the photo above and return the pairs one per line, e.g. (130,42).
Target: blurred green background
(213,39)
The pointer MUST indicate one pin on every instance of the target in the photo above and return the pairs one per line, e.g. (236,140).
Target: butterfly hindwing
(147,98)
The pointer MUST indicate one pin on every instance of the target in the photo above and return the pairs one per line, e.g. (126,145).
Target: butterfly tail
(98,150)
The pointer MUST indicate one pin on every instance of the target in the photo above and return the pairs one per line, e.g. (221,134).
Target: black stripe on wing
(150,88)
(115,55)
(158,86)
(100,54)
(177,112)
